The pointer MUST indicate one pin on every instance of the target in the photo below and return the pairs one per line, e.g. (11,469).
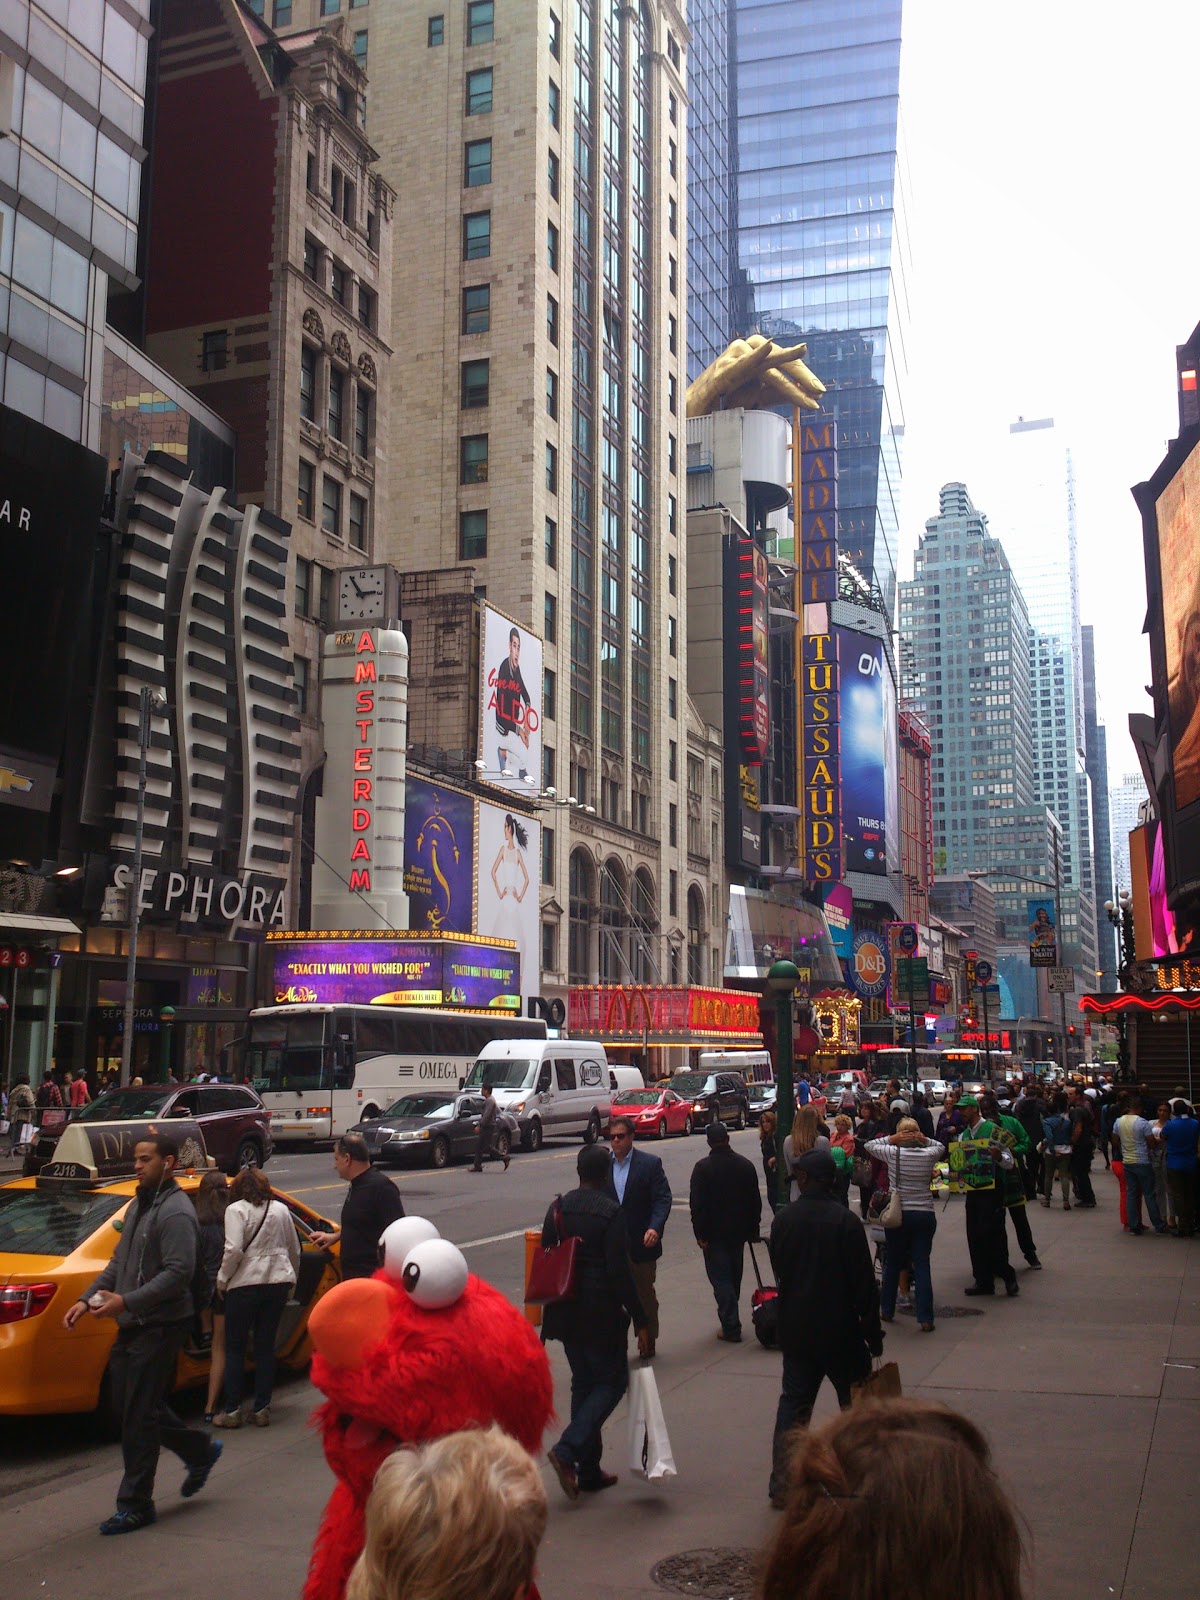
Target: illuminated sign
(818,690)
(439,857)
(200,899)
(397,971)
(869,965)
(818,512)
(750,688)
(621,1011)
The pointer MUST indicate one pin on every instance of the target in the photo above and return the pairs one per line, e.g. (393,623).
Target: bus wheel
(531,1139)
(439,1153)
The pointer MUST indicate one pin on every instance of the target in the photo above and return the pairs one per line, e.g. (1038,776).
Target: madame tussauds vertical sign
(819,685)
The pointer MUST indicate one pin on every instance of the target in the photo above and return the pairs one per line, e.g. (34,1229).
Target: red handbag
(552,1271)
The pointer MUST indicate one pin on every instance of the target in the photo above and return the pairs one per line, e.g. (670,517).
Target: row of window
(339,282)
(339,387)
(336,504)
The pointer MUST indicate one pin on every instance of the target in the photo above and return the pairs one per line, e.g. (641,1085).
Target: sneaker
(198,1476)
(128,1521)
(565,1473)
(227,1419)
(1034,1264)
(261,1419)
(1012,1288)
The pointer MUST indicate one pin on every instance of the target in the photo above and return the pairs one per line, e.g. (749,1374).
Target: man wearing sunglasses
(644,1195)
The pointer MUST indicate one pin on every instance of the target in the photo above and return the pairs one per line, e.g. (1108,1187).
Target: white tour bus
(322,1068)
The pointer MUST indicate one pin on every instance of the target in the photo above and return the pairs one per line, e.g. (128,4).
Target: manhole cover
(944,1311)
(710,1574)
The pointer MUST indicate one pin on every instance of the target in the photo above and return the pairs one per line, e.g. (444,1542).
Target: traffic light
(1071,1029)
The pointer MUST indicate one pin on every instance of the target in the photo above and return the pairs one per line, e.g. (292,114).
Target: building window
(672,514)
(474,384)
(672,461)
(552,319)
(477,165)
(549,937)
(672,109)
(551,393)
(555,37)
(341,196)
(673,217)
(339,283)
(360,48)
(547,855)
(555,105)
(330,8)
(214,351)
(549,686)
(672,698)
(436,31)
(325,604)
(304,491)
(337,401)
(552,247)
(344,99)
(473,458)
(358,521)
(672,642)
(551,542)
(310,173)
(672,760)
(303,670)
(672,158)
(672,574)
(331,506)
(672,334)
(472,535)
(551,618)
(479,92)
(308,382)
(672,824)
(281,14)
(366,307)
(548,768)
(552,171)
(477,235)
(312,259)
(303,591)
(672,49)
(477,308)
(551,469)
(672,396)
(481,17)
(362,421)
(672,275)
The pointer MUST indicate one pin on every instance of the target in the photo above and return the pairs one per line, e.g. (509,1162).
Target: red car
(654,1111)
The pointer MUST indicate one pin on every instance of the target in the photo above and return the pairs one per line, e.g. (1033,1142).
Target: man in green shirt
(1012,1184)
(982,1150)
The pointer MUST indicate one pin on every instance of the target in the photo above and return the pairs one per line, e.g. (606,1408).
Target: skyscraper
(1096,739)
(711,182)
(1125,800)
(822,236)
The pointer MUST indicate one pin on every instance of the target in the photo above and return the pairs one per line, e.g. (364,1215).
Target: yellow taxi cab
(58,1231)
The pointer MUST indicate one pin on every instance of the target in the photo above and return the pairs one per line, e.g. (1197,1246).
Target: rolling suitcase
(764,1309)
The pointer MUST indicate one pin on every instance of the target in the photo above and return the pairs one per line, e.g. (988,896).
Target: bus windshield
(291,1051)
(509,1073)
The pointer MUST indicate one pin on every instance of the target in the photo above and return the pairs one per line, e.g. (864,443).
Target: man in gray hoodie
(147,1287)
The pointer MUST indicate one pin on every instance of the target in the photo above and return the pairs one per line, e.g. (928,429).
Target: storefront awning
(29,926)
(656,1014)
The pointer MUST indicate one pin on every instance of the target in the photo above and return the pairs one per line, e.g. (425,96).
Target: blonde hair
(804,1130)
(463,1515)
(908,1125)
(842,1122)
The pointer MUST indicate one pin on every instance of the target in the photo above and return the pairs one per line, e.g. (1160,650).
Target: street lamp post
(782,980)
(1120,914)
(148,700)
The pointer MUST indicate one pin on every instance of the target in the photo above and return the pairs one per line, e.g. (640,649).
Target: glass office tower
(711,183)
(821,233)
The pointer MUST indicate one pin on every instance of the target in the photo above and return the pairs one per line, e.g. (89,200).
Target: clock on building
(362,594)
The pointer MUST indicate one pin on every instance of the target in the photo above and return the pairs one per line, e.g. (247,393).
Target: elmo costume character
(422,1349)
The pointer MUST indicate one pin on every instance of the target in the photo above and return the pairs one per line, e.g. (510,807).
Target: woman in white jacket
(258,1270)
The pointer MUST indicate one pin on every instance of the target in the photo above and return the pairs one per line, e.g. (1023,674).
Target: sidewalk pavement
(1087,1385)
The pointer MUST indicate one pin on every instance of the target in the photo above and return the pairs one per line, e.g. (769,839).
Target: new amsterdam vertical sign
(818,689)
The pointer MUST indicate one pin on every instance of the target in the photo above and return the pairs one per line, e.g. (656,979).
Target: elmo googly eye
(398,1241)
(434,1274)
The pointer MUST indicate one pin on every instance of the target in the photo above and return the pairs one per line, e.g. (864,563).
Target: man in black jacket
(726,1215)
(371,1205)
(594,1324)
(640,1187)
(828,1303)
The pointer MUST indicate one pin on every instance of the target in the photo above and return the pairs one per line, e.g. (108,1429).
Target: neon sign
(361,828)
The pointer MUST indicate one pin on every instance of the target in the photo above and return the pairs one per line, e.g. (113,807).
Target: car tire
(739,1122)
(531,1139)
(662,1128)
(689,1126)
(439,1154)
(248,1154)
(503,1144)
(592,1132)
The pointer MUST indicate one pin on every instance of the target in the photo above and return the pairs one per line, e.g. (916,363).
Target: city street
(1088,1386)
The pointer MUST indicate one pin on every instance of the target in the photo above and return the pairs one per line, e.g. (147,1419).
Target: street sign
(983,972)
(1060,980)
(906,937)
(912,975)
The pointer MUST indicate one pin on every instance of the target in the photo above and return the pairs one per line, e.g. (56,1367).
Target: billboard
(396,971)
(1043,937)
(1178,521)
(509,870)
(439,858)
(510,712)
(747,668)
(868,751)
(839,912)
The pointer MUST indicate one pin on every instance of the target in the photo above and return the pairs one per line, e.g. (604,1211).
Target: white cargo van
(552,1086)
(625,1078)
(754,1065)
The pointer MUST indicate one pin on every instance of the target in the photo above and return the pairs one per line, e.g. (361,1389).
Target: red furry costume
(397,1373)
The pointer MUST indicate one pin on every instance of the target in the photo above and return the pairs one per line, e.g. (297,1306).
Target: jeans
(914,1235)
(1081,1171)
(141,1369)
(1140,1180)
(803,1374)
(987,1241)
(1056,1166)
(1182,1189)
(723,1263)
(255,1309)
(599,1377)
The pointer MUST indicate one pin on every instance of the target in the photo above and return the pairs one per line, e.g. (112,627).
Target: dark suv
(714,1095)
(235,1123)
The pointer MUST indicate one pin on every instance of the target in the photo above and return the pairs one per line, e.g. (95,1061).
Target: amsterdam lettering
(362,800)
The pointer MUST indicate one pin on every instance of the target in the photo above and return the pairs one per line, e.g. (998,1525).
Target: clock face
(361,593)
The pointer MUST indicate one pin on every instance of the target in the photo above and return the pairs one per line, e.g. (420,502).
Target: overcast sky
(1056,265)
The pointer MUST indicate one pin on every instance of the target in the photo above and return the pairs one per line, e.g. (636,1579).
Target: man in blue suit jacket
(641,1187)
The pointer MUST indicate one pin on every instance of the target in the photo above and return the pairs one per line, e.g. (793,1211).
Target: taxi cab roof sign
(95,1152)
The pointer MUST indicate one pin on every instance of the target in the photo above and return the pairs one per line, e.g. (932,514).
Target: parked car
(712,1095)
(436,1126)
(235,1123)
(656,1111)
(762,1098)
(58,1230)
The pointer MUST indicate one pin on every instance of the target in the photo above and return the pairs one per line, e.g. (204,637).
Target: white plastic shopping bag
(649,1446)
